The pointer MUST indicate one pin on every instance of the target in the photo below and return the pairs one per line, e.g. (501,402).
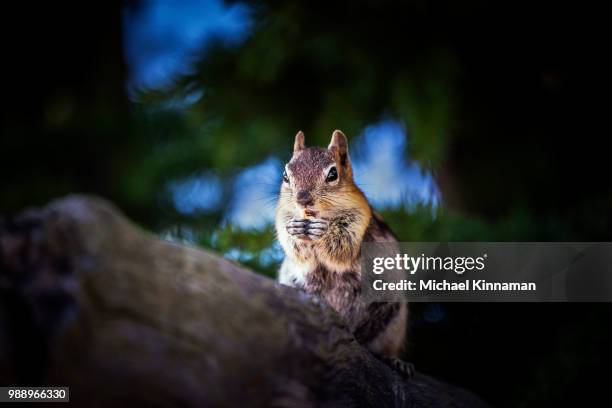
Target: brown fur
(327,262)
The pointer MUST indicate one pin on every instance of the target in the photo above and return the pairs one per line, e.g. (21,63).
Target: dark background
(505,104)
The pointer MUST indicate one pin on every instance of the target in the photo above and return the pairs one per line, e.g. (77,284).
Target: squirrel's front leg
(312,229)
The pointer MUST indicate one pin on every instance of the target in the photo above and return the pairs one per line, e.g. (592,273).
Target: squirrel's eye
(285,178)
(332,175)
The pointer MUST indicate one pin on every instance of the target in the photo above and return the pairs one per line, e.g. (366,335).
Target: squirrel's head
(318,180)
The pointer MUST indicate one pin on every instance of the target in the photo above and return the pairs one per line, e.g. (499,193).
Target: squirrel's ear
(340,145)
(299,143)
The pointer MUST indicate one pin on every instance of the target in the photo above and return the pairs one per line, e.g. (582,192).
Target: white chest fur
(293,273)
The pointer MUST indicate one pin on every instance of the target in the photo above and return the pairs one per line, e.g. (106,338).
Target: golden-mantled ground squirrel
(322,219)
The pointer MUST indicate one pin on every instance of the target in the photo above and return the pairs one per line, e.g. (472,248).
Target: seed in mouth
(310,213)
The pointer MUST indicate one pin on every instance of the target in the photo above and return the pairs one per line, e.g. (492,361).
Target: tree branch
(91,301)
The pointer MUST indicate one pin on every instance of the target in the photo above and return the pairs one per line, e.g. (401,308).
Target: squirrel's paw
(297,227)
(404,368)
(316,228)
(307,228)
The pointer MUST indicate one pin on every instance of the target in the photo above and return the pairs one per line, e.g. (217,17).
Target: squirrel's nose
(304,198)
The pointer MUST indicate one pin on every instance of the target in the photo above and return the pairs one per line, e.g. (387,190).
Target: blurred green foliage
(480,113)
